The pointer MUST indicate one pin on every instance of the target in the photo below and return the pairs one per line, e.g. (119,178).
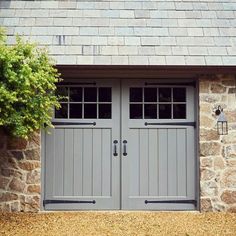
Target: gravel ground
(118,223)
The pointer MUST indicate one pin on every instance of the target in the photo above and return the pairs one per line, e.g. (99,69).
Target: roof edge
(140,71)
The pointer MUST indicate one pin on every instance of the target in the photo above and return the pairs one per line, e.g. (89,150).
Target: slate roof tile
(165,32)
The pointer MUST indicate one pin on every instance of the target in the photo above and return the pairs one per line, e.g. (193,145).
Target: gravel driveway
(118,223)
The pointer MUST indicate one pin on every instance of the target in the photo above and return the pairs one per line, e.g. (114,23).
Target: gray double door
(122,145)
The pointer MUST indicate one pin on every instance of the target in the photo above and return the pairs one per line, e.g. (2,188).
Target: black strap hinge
(66,202)
(171,124)
(73,123)
(172,201)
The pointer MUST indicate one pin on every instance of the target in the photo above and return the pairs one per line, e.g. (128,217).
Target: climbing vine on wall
(27,87)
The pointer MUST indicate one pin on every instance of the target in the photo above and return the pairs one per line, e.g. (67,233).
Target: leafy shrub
(27,87)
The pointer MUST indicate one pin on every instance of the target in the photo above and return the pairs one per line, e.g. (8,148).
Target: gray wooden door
(81,169)
(149,165)
(158,135)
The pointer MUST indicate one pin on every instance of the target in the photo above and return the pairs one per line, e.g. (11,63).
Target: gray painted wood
(143,160)
(134,162)
(191,163)
(160,164)
(49,164)
(80,164)
(181,162)
(172,163)
(153,162)
(87,162)
(59,161)
(97,162)
(68,163)
(106,162)
(163,162)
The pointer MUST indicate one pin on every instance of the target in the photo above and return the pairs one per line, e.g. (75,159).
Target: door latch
(125,147)
(115,153)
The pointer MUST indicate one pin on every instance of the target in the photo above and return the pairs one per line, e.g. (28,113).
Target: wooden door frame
(195,117)
(74,72)
(43,152)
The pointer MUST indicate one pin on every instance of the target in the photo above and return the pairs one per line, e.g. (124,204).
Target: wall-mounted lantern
(222,123)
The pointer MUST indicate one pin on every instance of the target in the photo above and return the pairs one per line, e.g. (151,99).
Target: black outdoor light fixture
(222,123)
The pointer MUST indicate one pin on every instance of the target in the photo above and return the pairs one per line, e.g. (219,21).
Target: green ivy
(27,87)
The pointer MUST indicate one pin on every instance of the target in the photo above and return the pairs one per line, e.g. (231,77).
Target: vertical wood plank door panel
(81,171)
(154,170)
(159,170)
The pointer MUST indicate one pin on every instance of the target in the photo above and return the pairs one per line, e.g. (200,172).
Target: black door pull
(125,148)
(115,148)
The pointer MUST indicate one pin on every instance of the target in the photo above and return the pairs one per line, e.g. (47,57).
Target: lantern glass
(222,124)
(222,127)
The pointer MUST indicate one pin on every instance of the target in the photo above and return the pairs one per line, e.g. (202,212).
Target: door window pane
(150,95)
(164,111)
(85,103)
(179,94)
(90,94)
(62,92)
(164,94)
(62,113)
(75,110)
(76,94)
(90,111)
(179,111)
(136,111)
(104,94)
(150,111)
(105,111)
(136,95)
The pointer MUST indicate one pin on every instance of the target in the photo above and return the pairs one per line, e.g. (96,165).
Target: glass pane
(179,111)
(179,94)
(150,94)
(105,111)
(62,112)
(90,110)
(136,95)
(63,92)
(76,94)
(150,111)
(75,110)
(90,94)
(164,111)
(164,95)
(136,111)
(104,94)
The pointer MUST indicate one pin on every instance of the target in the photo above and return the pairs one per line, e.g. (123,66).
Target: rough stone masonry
(217,153)
(19,173)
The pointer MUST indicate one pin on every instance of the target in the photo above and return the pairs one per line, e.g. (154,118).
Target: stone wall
(217,153)
(19,173)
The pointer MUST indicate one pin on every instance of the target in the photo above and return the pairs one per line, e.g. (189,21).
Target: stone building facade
(217,153)
(20,173)
(180,33)
(20,159)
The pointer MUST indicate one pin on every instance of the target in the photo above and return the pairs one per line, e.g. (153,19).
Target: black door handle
(115,148)
(125,147)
